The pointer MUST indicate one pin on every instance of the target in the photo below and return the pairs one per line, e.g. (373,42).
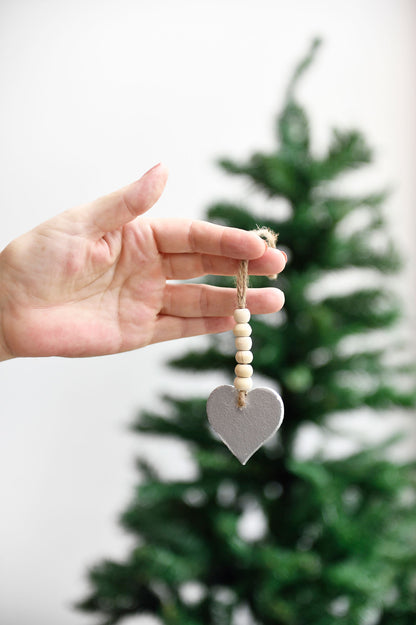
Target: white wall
(93,93)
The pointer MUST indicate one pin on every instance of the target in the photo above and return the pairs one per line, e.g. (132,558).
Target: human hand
(94,280)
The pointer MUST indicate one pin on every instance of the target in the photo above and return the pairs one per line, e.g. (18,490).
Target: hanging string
(242,285)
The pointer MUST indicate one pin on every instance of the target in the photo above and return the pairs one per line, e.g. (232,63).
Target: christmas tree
(336,538)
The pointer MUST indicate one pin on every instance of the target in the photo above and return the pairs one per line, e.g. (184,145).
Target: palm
(76,286)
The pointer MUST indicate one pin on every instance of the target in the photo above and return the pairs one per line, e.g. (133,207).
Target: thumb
(112,211)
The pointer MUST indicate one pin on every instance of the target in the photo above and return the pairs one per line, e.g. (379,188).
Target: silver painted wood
(244,430)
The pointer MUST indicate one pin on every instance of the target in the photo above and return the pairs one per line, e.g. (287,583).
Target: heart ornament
(245,419)
(244,429)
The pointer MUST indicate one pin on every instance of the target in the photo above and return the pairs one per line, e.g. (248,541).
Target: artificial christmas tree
(336,538)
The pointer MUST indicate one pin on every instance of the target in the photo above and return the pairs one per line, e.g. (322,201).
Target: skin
(94,280)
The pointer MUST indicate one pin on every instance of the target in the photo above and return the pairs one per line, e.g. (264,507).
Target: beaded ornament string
(242,329)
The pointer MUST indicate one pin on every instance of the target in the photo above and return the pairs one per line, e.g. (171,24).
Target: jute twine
(242,280)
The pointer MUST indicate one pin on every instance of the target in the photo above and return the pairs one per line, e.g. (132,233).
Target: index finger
(177,236)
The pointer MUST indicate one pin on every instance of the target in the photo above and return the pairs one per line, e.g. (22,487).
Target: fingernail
(152,168)
(281,252)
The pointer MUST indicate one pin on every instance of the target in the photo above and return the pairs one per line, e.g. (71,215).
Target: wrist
(4,352)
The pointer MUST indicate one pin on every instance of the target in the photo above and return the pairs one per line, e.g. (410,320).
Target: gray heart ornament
(244,430)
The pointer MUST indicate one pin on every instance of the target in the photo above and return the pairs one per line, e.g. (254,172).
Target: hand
(94,279)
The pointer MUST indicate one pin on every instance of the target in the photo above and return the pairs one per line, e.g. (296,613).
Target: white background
(93,93)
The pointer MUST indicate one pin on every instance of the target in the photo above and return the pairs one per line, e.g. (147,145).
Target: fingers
(193,300)
(116,209)
(168,327)
(184,302)
(187,266)
(174,236)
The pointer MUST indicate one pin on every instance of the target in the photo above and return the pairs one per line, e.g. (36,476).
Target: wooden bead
(243,371)
(242,315)
(243,384)
(244,357)
(243,343)
(242,329)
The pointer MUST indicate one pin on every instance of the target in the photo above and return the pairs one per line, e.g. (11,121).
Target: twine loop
(242,280)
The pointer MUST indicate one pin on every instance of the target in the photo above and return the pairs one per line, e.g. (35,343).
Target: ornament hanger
(245,419)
